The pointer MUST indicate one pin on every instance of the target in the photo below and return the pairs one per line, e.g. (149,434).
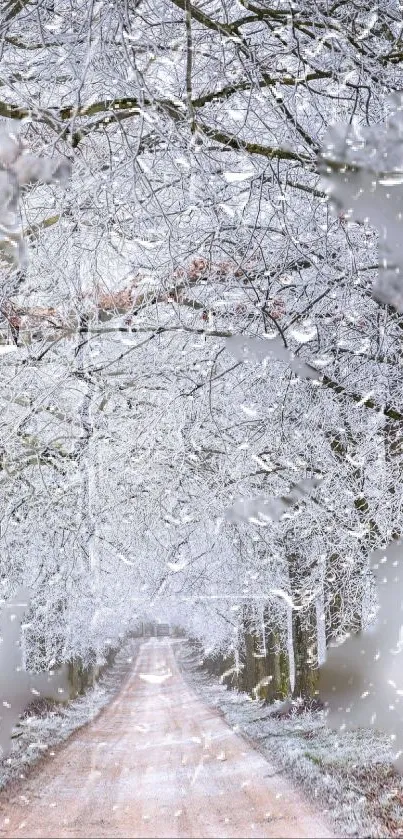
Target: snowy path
(157,762)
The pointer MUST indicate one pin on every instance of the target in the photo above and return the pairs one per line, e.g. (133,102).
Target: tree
(195,212)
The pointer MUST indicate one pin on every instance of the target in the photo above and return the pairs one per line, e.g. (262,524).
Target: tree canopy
(188,325)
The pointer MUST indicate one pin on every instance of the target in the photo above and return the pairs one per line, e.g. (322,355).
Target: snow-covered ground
(36,733)
(350,774)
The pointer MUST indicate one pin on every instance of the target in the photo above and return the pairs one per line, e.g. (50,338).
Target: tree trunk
(277,667)
(305,653)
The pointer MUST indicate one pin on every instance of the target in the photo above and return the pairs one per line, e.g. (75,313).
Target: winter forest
(200,326)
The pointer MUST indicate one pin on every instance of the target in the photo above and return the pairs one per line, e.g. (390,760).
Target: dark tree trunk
(305,653)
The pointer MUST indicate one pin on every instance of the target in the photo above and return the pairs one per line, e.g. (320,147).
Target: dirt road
(157,762)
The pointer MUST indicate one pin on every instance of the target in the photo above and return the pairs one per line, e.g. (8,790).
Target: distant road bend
(157,762)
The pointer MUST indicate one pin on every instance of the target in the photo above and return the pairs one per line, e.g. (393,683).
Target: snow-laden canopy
(136,410)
